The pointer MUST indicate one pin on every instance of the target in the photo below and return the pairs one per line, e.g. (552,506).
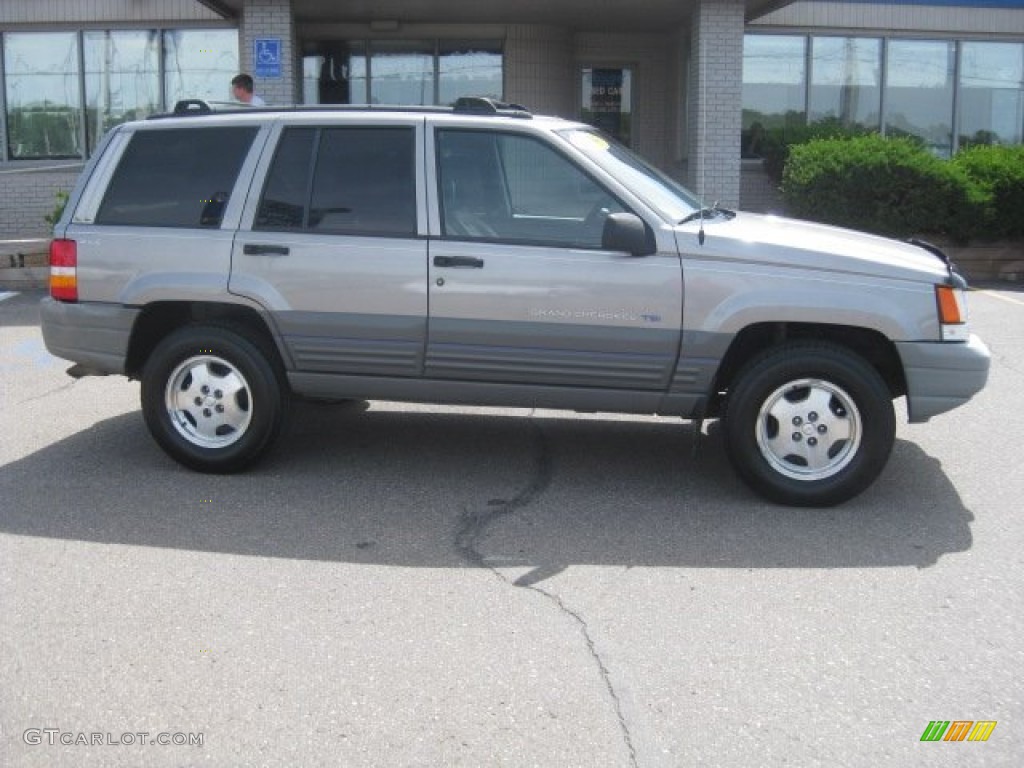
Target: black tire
(809,424)
(235,420)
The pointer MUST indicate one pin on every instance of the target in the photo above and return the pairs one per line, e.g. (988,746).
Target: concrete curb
(14,275)
(23,278)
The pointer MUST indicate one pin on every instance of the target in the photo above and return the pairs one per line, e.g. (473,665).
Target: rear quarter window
(179,177)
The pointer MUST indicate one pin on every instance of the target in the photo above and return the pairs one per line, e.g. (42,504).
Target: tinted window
(365,182)
(516,188)
(176,178)
(284,198)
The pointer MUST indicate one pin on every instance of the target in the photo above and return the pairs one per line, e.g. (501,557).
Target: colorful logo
(959,730)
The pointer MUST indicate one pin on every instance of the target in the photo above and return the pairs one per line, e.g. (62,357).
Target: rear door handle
(458,262)
(260,249)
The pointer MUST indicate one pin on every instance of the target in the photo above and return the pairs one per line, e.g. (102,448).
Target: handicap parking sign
(266,56)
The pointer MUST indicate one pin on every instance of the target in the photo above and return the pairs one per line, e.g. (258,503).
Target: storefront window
(44,107)
(335,75)
(846,82)
(919,92)
(122,79)
(199,64)
(468,69)
(402,73)
(774,87)
(991,93)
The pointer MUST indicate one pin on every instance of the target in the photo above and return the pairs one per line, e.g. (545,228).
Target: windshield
(668,197)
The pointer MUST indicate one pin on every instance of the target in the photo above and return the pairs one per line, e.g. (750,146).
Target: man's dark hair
(243,81)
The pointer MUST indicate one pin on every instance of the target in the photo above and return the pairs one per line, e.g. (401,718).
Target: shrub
(999,172)
(776,143)
(891,187)
(54,216)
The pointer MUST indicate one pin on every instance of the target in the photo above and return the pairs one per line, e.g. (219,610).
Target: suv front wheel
(211,399)
(809,424)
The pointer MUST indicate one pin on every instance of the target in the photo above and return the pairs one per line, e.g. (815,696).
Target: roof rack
(467,105)
(479,105)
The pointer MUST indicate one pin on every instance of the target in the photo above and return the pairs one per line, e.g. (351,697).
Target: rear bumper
(93,335)
(942,376)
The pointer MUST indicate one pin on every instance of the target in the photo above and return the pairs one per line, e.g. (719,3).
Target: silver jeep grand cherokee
(481,255)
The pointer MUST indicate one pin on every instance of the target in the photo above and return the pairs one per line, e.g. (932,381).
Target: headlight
(952,308)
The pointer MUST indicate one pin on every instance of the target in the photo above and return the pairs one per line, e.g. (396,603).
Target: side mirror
(627,232)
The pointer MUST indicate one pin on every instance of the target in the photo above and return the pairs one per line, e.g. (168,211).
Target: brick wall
(539,69)
(715,100)
(271,18)
(27,196)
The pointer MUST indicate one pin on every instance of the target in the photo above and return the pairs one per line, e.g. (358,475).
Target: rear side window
(358,181)
(180,177)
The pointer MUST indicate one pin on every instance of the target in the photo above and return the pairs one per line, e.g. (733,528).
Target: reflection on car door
(520,288)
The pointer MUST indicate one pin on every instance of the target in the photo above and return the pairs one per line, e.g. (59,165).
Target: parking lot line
(1018,302)
(7,295)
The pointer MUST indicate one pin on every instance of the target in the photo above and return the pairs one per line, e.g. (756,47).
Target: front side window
(363,182)
(515,188)
(180,177)
(44,106)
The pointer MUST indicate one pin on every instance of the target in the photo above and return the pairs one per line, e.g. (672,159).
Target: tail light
(64,270)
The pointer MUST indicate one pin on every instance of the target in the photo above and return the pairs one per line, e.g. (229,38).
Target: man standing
(241,88)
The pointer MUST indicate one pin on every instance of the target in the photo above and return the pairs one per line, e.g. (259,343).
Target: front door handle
(463,262)
(260,249)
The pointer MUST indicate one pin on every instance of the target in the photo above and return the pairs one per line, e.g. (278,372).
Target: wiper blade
(708,213)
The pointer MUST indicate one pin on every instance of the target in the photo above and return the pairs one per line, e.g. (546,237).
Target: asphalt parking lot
(405,585)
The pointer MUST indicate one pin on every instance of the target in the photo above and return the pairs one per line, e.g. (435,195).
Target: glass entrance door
(607,100)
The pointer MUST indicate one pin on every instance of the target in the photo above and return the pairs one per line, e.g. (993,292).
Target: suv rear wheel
(809,424)
(212,399)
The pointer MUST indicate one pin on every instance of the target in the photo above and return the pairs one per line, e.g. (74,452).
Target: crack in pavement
(472,527)
(48,393)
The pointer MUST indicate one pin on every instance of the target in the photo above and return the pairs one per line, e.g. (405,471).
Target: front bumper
(94,335)
(942,376)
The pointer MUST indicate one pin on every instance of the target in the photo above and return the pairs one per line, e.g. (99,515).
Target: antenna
(703,75)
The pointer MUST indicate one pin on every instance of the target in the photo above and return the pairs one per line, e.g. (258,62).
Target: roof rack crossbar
(481,105)
(466,105)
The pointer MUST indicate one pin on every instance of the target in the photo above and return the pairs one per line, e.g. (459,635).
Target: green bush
(999,172)
(776,143)
(891,187)
(53,216)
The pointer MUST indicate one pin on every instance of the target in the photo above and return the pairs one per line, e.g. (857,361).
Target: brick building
(690,84)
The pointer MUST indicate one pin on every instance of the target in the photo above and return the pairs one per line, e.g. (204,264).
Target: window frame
(439,130)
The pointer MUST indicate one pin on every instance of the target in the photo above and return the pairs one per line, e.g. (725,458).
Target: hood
(775,240)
